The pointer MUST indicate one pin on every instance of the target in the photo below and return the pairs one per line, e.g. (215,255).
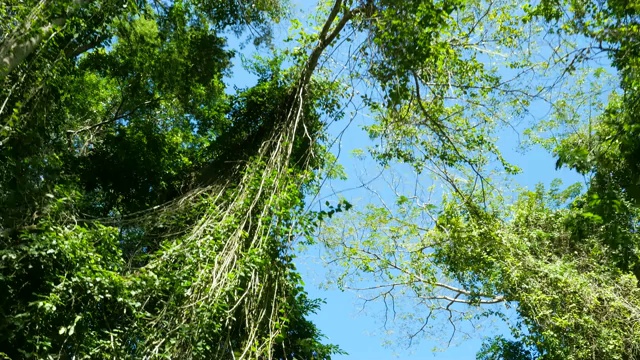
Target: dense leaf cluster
(119,145)
(565,261)
(148,213)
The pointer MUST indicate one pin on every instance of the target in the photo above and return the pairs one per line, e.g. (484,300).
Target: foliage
(147,216)
(565,261)
(150,213)
(502,349)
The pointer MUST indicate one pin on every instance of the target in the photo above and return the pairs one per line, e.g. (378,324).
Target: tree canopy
(149,210)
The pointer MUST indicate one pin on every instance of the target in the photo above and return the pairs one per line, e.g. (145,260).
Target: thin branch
(495,300)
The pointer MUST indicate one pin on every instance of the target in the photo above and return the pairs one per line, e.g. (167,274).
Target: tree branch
(24,40)
(326,38)
(495,300)
(17,47)
(82,48)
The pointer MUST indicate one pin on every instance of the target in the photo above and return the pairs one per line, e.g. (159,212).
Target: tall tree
(148,216)
(566,261)
(132,226)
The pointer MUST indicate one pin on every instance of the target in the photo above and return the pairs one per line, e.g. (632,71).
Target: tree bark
(16,49)
(26,39)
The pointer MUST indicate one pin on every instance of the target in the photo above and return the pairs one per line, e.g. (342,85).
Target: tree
(131,226)
(564,260)
(148,216)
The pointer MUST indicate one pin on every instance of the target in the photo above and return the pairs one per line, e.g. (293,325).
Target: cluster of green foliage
(567,261)
(148,213)
(118,142)
(588,299)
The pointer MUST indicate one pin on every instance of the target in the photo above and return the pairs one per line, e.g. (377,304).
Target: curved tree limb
(26,39)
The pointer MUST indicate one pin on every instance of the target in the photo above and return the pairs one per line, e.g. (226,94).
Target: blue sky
(360,331)
(342,319)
